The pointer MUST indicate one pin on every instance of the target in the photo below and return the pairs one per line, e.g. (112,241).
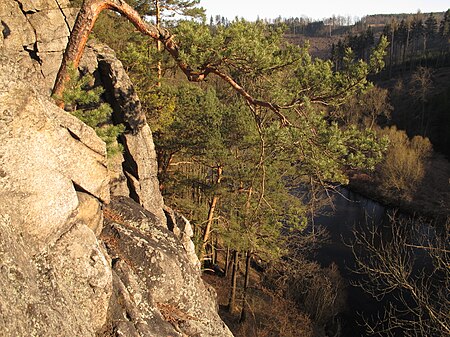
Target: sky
(317,9)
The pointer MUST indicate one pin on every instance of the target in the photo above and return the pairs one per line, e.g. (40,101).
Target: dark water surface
(351,210)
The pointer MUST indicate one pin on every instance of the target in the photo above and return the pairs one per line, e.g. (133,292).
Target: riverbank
(430,200)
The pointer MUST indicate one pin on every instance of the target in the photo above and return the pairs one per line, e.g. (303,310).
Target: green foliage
(198,128)
(262,160)
(184,8)
(241,43)
(258,57)
(190,123)
(140,58)
(84,103)
(324,151)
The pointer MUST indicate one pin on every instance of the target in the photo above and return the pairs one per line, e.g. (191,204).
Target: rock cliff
(85,245)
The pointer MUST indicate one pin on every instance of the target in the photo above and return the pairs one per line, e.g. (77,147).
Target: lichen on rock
(161,283)
(58,275)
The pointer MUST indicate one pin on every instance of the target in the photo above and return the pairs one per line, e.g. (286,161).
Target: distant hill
(324,33)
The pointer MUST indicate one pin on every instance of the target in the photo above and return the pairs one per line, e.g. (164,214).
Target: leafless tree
(407,265)
(320,292)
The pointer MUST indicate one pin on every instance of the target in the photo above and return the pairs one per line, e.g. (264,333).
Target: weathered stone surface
(89,212)
(52,37)
(118,182)
(140,162)
(163,294)
(64,291)
(42,157)
(17,31)
(17,293)
(139,166)
(181,227)
(31,6)
(51,40)
(88,62)
(55,278)
(80,281)
(37,30)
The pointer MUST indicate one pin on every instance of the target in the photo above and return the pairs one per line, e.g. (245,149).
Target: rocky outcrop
(139,166)
(181,227)
(62,291)
(28,33)
(45,155)
(52,267)
(173,300)
(38,46)
(72,263)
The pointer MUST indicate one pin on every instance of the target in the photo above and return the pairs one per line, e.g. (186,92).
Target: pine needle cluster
(83,100)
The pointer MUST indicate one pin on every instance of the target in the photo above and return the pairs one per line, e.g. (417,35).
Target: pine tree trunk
(391,54)
(158,43)
(406,46)
(232,298)
(412,56)
(246,283)
(215,250)
(227,261)
(83,26)
(209,222)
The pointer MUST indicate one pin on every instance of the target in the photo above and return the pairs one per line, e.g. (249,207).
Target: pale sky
(317,9)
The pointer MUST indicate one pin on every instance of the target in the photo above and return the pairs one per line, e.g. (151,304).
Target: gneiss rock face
(139,166)
(38,31)
(62,291)
(158,290)
(55,279)
(44,154)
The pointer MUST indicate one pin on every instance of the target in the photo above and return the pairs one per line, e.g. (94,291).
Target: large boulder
(62,291)
(159,292)
(45,156)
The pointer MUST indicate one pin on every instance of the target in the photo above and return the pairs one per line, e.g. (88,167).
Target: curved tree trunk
(84,24)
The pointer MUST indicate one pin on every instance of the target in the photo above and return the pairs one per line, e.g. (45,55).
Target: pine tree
(267,128)
(431,26)
(444,27)
(84,102)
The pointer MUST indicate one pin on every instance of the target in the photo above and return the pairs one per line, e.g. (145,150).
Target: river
(350,209)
